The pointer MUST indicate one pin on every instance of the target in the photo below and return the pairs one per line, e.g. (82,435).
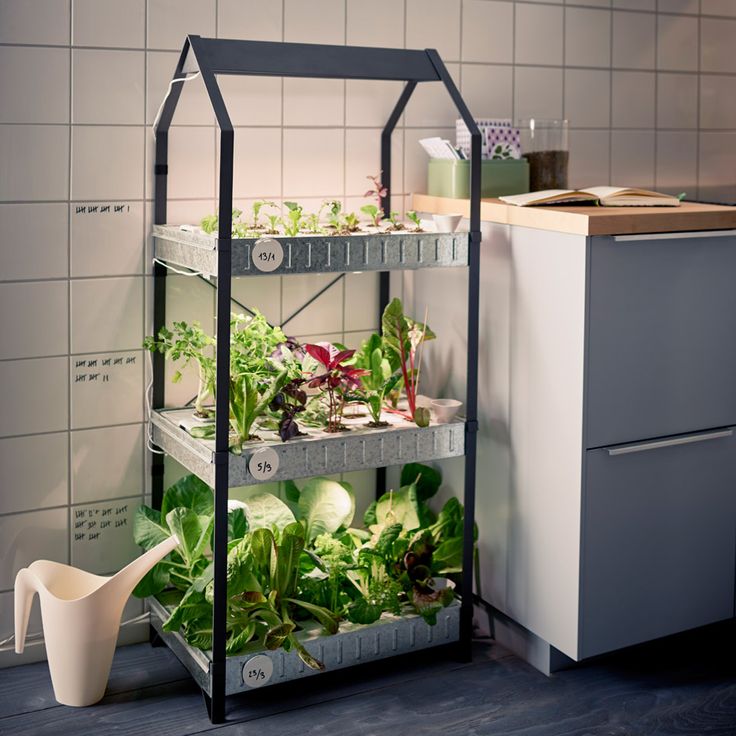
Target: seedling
(351,222)
(293,220)
(394,222)
(375,214)
(379,191)
(414,217)
(258,205)
(273,224)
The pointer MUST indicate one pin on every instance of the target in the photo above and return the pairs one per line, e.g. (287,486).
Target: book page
(608,192)
(547,196)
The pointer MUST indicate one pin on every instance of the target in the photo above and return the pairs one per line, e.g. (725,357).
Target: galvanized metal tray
(353,644)
(318,453)
(369,251)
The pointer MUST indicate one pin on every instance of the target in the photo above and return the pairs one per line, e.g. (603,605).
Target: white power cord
(8,643)
(188,78)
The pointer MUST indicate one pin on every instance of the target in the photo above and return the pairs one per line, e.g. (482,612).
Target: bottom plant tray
(353,644)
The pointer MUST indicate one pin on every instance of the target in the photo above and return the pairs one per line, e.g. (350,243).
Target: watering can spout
(124,581)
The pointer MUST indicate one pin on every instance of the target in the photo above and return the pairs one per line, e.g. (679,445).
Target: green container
(451,177)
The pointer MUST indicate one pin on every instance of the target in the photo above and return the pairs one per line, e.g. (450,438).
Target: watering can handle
(25,589)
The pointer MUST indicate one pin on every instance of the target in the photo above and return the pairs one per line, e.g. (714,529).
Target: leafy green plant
(351,222)
(188,343)
(255,378)
(414,217)
(299,561)
(402,338)
(338,379)
(293,219)
(379,379)
(210,223)
(374,213)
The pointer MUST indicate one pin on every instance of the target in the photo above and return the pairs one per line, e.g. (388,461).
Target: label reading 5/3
(263,463)
(267,254)
(257,671)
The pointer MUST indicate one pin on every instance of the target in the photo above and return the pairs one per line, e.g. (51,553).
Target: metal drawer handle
(670,443)
(676,235)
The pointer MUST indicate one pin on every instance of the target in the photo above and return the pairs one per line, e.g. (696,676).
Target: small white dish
(445,409)
(447,223)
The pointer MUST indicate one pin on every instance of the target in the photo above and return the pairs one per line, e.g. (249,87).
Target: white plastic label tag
(263,463)
(257,670)
(267,254)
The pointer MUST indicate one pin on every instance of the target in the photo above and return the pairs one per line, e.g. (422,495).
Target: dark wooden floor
(682,685)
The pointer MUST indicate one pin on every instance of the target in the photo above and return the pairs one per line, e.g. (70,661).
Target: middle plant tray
(366,251)
(317,453)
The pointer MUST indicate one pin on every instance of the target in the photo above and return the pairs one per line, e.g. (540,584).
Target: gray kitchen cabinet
(603,330)
(661,350)
(658,539)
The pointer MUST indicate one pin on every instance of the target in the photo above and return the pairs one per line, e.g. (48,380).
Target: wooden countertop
(589,220)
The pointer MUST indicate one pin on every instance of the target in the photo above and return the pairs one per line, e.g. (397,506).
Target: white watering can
(81,618)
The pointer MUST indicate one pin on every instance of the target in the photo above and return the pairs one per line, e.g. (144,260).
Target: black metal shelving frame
(212,57)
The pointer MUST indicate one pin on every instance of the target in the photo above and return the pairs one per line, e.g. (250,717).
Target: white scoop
(81,618)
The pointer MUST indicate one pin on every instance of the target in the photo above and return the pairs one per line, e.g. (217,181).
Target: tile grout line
(70,457)
(698,43)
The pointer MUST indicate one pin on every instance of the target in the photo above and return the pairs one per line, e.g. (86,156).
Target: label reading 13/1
(257,670)
(267,254)
(264,463)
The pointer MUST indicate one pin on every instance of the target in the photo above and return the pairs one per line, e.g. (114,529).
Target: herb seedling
(258,205)
(394,222)
(379,191)
(273,224)
(414,217)
(351,222)
(375,214)
(338,379)
(188,343)
(293,220)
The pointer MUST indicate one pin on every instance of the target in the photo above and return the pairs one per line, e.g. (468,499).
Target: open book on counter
(603,196)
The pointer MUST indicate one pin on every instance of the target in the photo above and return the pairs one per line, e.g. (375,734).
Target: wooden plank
(177,708)
(588,220)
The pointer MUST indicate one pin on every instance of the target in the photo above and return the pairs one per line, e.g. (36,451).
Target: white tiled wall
(649,91)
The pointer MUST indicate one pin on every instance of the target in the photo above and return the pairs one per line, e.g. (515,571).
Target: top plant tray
(367,251)
(317,453)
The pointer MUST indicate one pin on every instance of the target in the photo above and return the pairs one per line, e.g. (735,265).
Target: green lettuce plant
(379,379)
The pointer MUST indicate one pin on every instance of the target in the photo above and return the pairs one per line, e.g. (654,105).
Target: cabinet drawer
(661,354)
(658,539)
